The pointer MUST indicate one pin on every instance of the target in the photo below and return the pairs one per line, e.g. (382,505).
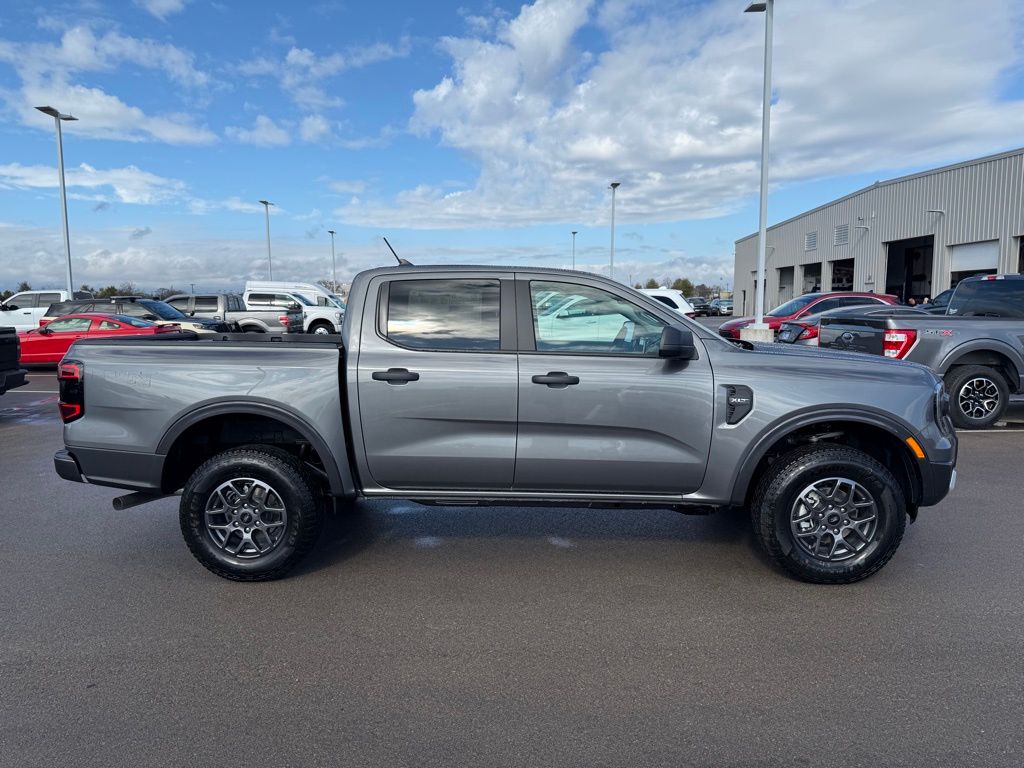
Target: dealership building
(913,236)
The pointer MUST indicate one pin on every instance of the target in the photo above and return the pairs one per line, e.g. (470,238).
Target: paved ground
(454,637)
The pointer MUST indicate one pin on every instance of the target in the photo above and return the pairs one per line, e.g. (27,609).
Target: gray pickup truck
(977,345)
(230,308)
(505,386)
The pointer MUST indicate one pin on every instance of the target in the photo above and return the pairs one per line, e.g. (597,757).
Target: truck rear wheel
(829,514)
(322,328)
(250,513)
(978,396)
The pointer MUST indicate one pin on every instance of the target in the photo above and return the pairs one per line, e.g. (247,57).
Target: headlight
(337,316)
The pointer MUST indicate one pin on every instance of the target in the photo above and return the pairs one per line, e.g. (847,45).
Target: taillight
(897,342)
(71,380)
(285,321)
(808,332)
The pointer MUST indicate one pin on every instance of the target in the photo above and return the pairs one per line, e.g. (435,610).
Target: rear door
(23,318)
(599,411)
(437,382)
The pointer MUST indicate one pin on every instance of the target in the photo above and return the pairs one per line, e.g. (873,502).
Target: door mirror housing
(45,330)
(677,343)
(8,307)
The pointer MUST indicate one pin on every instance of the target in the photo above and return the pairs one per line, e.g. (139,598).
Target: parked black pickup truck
(977,346)
(11,373)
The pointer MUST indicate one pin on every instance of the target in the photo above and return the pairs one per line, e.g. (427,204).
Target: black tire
(969,387)
(289,481)
(321,326)
(779,492)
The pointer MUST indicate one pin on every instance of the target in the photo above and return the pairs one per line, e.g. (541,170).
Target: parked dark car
(11,373)
(701,307)
(804,306)
(159,312)
(805,330)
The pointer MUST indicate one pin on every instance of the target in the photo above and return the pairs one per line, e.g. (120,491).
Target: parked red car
(808,304)
(48,344)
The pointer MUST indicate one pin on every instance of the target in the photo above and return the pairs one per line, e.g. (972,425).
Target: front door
(599,411)
(437,383)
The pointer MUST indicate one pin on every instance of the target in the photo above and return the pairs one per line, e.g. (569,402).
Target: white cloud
(301,73)
(314,128)
(264,133)
(348,187)
(162,8)
(129,184)
(47,73)
(668,103)
(233,204)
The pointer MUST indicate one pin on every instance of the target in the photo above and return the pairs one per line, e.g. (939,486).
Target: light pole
(270,264)
(334,264)
(574,249)
(611,262)
(758,330)
(57,119)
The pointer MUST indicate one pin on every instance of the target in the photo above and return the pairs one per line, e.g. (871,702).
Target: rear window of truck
(988,298)
(450,315)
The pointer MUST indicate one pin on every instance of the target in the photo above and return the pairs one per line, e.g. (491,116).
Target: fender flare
(798,420)
(982,345)
(339,476)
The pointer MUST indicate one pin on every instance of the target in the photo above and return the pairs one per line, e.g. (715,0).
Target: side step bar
(136,499)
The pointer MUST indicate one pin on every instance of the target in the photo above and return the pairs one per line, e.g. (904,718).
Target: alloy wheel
(246,517)
(834,519)
(978,398)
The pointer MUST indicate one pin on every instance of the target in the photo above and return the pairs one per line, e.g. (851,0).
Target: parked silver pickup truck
(977,346)
(504,386)
(230,308)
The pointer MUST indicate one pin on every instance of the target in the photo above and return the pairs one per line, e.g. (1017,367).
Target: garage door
(975,256)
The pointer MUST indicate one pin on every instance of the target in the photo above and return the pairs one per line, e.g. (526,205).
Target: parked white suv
(24,310)
(315,319)
(671,298)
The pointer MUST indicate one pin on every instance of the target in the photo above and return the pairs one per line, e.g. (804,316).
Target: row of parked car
(49,322)
(973,336)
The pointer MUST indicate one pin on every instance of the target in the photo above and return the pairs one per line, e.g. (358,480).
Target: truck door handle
(396,376)
(556,379)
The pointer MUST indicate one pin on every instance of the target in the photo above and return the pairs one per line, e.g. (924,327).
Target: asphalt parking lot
(446,637)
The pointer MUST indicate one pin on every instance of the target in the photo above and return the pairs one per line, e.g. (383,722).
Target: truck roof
(414,268)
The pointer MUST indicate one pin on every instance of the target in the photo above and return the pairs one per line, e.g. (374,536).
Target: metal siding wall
(982,201)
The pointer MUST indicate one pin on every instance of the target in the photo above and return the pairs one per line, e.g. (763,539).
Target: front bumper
(13,379)
(937,480)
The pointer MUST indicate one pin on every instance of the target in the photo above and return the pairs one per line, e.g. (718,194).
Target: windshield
(792,306)
(163,310)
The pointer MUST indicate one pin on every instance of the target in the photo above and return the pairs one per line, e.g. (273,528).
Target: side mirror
(8,307)
(677,343)
(45,330)
(192,313)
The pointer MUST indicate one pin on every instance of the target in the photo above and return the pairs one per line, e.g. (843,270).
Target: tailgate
(853,334)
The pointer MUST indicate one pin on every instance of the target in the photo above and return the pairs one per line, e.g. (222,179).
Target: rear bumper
(12,379)
(117,469)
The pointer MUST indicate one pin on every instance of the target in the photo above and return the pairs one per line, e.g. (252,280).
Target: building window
(841,236)
(811,241)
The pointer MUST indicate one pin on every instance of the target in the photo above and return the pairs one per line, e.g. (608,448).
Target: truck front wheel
(321,328)
(250,513)
(977,396)
(829,514)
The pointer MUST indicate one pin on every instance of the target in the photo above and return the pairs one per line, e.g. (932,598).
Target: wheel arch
(989,353)
(196,430)
(877,434)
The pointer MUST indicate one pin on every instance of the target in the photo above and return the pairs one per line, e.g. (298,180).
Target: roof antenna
(401,262)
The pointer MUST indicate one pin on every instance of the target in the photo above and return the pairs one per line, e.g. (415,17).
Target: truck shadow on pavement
(373,524)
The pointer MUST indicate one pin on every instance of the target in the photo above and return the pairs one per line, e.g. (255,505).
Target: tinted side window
(991,298)
(109,325)
(70,325)
(22,300)
(260,299)
(826,305)
(179,303)
(666,300)
(46,299)
(132,309)
(235,304)
(462,315)
(592,320)
(284,300)
(205,304)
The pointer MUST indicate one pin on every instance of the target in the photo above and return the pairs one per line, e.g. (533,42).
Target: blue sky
(469,131)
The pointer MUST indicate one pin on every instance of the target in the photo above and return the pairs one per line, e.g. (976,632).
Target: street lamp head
(55,113)
(756,8)
(330,232)
(614,184)
(574,232)
(265,202)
